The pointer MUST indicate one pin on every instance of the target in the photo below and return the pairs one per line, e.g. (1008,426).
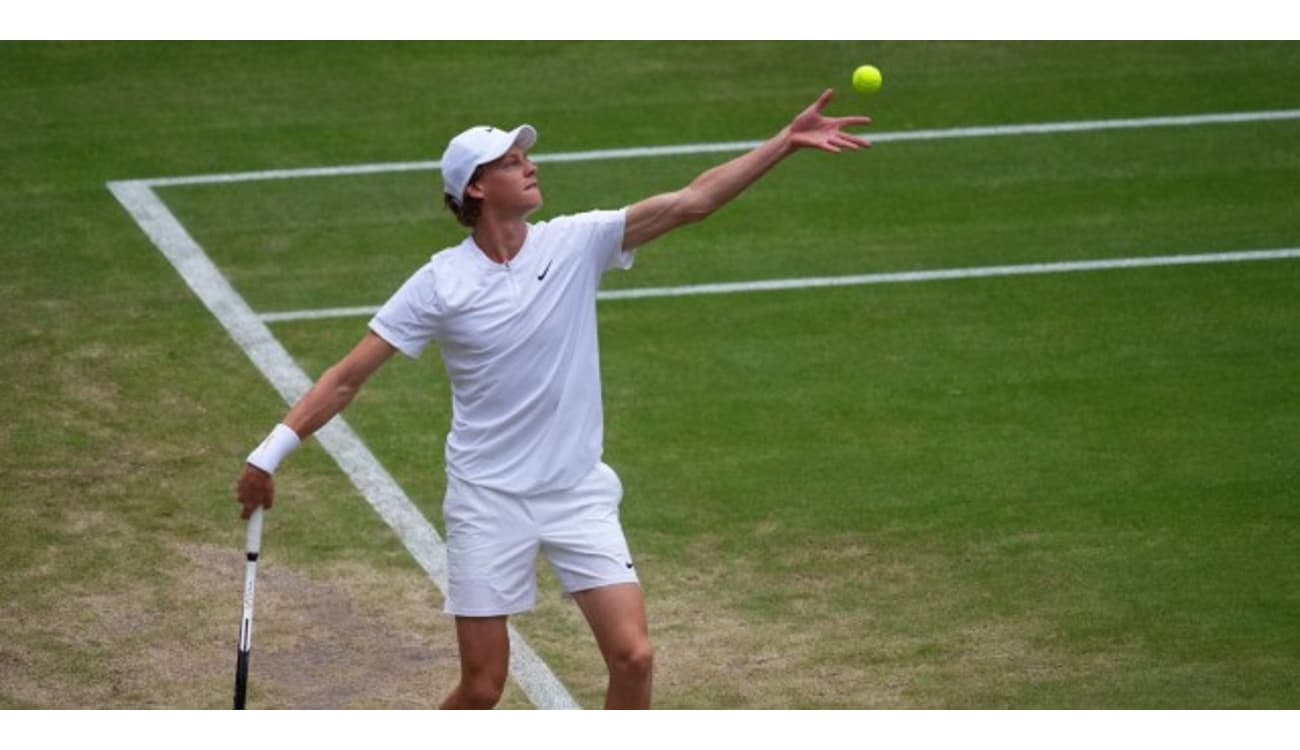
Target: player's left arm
(660,214)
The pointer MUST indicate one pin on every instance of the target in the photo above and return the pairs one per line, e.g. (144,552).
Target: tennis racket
(246,624)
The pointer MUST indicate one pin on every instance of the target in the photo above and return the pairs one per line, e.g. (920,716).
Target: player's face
(511,182)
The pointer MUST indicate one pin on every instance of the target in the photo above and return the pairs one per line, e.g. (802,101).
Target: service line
(900,277)
(1079,126)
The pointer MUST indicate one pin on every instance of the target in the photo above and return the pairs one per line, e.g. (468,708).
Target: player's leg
(584,541)
(618,620)
(491,573)
(484,662)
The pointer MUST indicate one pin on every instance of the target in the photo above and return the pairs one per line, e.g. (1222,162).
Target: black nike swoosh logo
(542,275)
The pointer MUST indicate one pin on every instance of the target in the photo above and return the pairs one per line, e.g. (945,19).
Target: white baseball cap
(479,145)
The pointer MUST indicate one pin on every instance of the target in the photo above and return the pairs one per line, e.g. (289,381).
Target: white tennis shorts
(493,539)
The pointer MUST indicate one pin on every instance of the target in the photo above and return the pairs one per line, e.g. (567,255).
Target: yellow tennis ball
(866,79)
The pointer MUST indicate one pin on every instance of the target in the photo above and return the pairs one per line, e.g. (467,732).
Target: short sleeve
(606,238)
(410,319)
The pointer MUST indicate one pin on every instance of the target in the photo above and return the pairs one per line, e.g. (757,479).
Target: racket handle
(255,532)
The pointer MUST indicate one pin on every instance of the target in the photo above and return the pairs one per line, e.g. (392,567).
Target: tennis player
(513,311)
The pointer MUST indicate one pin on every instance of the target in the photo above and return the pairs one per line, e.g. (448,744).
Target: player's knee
(637,661)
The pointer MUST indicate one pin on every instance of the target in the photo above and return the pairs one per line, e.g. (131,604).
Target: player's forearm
(329,396)
(326,398)
(333,391)
(718,186)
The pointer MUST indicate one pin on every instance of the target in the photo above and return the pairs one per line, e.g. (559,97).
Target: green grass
(1069,491)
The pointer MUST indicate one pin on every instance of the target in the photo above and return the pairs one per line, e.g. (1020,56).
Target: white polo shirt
(519,344)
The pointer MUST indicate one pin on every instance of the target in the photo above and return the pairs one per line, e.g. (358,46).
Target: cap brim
(524,136)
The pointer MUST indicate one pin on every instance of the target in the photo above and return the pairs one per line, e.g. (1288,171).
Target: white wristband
(280,443)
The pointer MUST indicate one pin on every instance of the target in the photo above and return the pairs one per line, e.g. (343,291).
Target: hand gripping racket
(246,624)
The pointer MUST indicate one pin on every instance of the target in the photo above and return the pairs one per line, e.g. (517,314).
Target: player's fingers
(823,100)
(252,504)
(254,495)
(846,143)
(855,120)
(860,141)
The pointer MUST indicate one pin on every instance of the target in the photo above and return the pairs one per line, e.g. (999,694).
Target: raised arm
(660,214)
(329,396)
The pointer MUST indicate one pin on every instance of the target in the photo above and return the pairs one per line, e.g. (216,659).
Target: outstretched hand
(812,129)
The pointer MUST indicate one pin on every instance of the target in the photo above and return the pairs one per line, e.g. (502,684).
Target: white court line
(863,279)
(380,489)
(712,148)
